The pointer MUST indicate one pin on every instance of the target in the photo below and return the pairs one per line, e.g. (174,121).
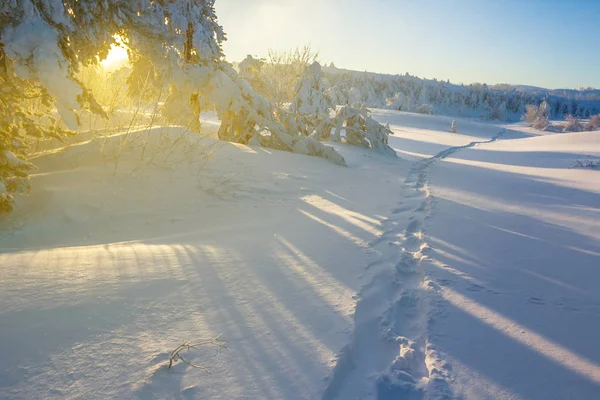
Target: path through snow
(387,354)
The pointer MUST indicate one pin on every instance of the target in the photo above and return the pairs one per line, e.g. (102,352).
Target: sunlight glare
(117,57)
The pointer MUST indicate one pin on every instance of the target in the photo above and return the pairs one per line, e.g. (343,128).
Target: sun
(116,58)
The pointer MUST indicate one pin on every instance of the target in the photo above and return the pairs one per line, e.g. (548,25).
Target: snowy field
(466,268)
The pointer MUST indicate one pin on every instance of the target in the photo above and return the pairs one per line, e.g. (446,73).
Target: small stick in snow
(176,354)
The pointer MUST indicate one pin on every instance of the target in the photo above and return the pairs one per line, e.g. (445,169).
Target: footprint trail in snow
(388,355)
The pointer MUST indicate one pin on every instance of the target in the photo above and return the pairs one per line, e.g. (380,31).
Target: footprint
(475,287)
(537,301)
(401,209)
(445,282)
(414,226)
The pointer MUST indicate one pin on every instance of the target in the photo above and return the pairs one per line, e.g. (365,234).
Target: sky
(547,43)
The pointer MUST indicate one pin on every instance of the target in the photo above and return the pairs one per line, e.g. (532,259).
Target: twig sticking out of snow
(176,354)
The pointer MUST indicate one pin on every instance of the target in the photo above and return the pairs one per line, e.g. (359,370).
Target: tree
(311,102)
(499,111)
(398,102)
(250,70)
(282,70)
(172,43)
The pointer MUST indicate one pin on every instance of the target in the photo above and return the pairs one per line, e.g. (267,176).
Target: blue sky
(552,43)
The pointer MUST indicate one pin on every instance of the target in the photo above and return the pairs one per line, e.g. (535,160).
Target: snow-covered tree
(398,102)
(173,44)
(312,102)
(250,70)
(43,44)
(499,112)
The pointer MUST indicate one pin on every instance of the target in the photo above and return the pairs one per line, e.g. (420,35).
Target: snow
(44,60)
(117,271)
(464,268)
(521,271)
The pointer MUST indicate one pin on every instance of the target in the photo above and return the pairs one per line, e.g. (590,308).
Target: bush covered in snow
(592,163)
(425,109)
(594,123)
(572,124)
(247,117)
(537,117)
(361,129)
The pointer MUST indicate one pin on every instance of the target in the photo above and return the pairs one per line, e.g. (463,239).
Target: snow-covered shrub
(361,129)
(592,163)
(572,124)
(594,123)
(247,117)
(537,117)
(425,109)
(312,147)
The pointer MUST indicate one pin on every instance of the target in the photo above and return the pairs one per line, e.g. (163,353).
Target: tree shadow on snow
(517,259)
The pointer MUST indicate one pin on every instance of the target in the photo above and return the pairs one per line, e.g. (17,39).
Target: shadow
(506,363)
(263,279)
(30,335)
(525,250)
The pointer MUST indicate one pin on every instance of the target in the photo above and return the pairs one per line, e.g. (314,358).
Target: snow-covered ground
(467,268)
